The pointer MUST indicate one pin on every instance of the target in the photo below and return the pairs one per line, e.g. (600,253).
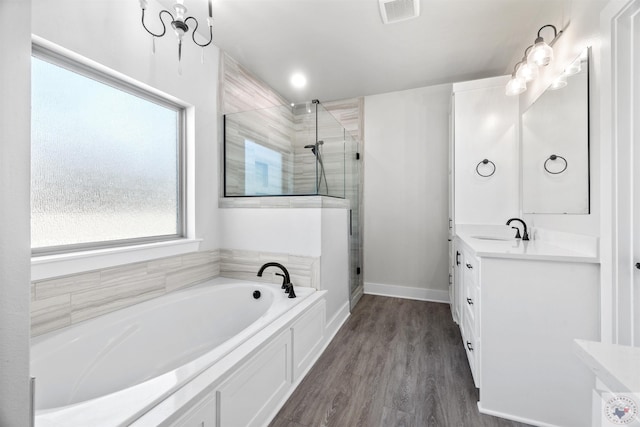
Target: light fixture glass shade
(515,86)
(559,83)
(574,68)
(527,71)
(541,54)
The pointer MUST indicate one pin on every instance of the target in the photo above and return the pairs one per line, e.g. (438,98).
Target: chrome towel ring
(555,157)
(485,162)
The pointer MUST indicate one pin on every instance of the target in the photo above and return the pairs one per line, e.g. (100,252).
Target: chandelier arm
(193,34)
(164,27)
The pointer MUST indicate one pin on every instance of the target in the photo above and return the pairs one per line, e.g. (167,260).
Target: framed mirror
(555,145)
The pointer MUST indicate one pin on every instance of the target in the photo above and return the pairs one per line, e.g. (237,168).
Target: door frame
(619,108)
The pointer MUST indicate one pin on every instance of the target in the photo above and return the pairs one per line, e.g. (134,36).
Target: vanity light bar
(539,54)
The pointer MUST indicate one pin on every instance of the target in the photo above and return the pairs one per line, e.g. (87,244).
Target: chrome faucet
(286,282)
(525,234)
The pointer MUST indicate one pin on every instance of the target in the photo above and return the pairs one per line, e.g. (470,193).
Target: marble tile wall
(240,90)
(240,264)
(63,301)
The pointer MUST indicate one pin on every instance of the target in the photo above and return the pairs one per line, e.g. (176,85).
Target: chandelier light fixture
(539,54)
(179,23)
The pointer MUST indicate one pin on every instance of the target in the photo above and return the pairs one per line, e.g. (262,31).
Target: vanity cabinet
(485,127)
(518,319)
(466,306)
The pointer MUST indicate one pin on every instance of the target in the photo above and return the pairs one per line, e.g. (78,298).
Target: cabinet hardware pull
(638,265)
(457,258)
(469,301)
(469,346)
(469,266)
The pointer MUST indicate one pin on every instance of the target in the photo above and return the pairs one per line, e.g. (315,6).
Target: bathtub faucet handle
(284,280)
(290,291)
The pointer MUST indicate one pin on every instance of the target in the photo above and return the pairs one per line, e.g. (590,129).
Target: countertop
(498,242)
(617,366)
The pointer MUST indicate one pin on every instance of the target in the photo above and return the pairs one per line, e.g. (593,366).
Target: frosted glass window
(105,161)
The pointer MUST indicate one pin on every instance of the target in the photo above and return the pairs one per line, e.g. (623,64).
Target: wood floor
(395,362)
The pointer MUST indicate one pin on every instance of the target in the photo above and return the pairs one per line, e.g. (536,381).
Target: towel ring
(555,157)
(484,162)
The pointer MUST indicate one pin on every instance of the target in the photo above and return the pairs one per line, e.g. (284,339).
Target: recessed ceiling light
(298,80)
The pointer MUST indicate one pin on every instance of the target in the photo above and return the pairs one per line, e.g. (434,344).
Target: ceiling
(345,50)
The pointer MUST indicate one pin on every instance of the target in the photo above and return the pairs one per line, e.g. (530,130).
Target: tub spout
(286,281)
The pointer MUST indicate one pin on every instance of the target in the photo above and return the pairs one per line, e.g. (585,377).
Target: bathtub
(112,369)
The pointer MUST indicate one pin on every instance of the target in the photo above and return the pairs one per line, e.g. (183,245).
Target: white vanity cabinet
(519,318)
(485,126)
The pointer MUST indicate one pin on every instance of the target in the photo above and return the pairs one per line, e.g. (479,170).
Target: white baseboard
(334,324)
(513,417)
(422,294)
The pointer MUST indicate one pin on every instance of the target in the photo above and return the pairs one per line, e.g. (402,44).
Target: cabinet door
(252,393)
(486,123)
(202,414)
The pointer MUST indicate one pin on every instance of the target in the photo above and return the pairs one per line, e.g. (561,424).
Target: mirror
(555,145)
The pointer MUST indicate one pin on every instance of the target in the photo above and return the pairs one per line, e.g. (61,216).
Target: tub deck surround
(545,245)
(68,375)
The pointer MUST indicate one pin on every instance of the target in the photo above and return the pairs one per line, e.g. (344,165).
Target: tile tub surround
(62,301)
(240,264)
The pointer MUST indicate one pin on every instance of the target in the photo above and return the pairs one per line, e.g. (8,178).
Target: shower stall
(297,150)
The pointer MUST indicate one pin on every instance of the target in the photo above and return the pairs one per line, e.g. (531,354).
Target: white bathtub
(110,370)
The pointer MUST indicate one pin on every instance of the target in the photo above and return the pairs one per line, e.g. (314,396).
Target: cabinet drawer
(471,268)
(471,347)
(470,304)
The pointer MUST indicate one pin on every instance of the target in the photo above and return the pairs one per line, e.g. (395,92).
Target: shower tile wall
(62,301)
(271,128)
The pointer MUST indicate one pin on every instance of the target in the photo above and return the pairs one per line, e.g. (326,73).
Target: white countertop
(499,242)
(617,366)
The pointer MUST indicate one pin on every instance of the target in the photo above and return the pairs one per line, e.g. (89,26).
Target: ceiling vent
(398,10)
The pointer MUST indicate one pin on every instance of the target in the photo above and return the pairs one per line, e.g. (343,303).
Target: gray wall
(15,72)
(406,192)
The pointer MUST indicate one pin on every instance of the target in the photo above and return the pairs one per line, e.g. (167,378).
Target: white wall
(287,231)
(15,82)
(582,29)
(334,262)
(406,192)
(110,33)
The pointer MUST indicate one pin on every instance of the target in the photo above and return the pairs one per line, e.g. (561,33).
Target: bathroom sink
(502,239)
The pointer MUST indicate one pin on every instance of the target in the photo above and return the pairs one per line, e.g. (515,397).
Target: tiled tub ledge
(284,202)
(62,301)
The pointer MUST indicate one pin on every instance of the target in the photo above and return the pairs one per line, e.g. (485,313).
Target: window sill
(44,267)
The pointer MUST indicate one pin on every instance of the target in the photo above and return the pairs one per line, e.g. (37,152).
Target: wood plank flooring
(395,362)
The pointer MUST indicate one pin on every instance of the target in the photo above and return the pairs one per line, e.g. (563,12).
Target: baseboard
(333,326)
(434,295)
(513,417)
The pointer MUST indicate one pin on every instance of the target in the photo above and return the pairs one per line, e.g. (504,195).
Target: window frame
(103,75)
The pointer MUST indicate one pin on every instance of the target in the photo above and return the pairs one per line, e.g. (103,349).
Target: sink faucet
(286,282)
(525,234)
